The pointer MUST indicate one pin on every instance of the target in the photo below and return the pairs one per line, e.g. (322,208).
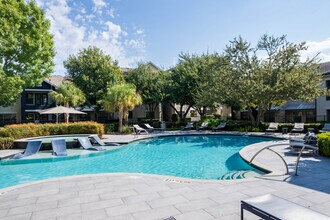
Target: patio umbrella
(60,110)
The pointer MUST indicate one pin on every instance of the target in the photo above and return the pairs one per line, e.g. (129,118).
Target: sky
(133,31)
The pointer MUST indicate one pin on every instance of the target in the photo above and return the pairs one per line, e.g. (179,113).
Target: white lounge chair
(189,126)
(220,126)
(203,126)
(326,128)
(139,130)
(309,143)
(100,142)
(298,127)
(59,147)
(273,126)
(272,207)
(149,127)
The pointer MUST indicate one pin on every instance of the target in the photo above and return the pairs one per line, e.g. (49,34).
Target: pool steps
(240,174)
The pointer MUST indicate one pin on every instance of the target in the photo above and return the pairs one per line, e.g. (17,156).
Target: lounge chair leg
(242,213)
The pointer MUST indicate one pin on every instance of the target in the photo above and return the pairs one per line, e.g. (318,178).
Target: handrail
(286,165)
(268,147)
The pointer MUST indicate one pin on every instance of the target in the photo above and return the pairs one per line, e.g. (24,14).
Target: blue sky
(158,30)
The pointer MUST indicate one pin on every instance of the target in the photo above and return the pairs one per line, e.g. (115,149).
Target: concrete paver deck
(142,196)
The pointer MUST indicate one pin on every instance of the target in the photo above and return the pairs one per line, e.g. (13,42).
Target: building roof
(297,105)
(55,80)
(325,68)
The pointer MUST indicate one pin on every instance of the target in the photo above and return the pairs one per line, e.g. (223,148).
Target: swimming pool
(191,156)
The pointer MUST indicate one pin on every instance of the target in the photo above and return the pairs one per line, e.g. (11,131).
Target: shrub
(126,129)
(324,143)
(6,143)
(33,130)
(111,128)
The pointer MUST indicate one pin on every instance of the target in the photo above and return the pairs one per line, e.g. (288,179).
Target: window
(327,84)
(41,99)
(29,98)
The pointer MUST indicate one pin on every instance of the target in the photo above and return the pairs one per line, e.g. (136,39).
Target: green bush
(126,129)
(110,128)
(324,143)
(6,143)
(18,131)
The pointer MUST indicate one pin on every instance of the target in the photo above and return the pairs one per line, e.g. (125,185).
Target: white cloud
(73,32)
(139,31)
(99,3)
(317,47)
(111,12)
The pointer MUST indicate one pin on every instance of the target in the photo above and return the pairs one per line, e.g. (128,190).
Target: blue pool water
(200,157)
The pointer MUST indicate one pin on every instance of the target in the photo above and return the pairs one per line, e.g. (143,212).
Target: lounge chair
(149,127)
(86,144)
(59,147)
(272,207)
(298,127)
(32,148)
(326,128)
(203,126)
(101,143)
(189,126)
(309,144)
(220,126)
(139,130)
(272,127)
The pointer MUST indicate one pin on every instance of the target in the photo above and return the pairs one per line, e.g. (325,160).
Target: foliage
(324,143)
(26,48)
(68,95)
(6,143)
(93,72)
(34,130)
(150,83)
(181,84)
(271,79)
(110,128)
(126,129)
(122,98)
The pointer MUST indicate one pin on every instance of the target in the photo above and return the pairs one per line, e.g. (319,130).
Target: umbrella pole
(56,118)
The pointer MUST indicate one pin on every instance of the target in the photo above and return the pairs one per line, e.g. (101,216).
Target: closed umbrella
(60,110)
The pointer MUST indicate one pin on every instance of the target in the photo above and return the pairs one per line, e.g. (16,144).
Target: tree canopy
(26,47)
(269,74)
(68,95)
(122,98)
(149,83)
(93,72)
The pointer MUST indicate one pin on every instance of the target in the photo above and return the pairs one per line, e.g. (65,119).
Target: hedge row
(18,131)
(6,143)
(324,143)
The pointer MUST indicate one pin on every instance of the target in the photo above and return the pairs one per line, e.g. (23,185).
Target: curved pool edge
(247,153)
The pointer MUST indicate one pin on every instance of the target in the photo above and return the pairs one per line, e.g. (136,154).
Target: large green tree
(93,72)
(122,98)
(269,74)
(26,48)
(68,95)
(150,83)
(181,85)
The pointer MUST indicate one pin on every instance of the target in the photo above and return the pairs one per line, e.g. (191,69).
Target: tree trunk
(182,116)
(67,118)
(120,120)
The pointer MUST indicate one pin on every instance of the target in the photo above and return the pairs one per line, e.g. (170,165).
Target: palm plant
(122,98)
(68,95)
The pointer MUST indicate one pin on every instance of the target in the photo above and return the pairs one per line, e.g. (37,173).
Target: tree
(26,47)
(150,84)
(68,95)
(181,84)
(93,72)
(269,74)
(122,98)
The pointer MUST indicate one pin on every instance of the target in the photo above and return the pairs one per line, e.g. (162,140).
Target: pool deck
(142,196)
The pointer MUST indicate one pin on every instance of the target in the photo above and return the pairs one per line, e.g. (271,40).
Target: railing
(286,165)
